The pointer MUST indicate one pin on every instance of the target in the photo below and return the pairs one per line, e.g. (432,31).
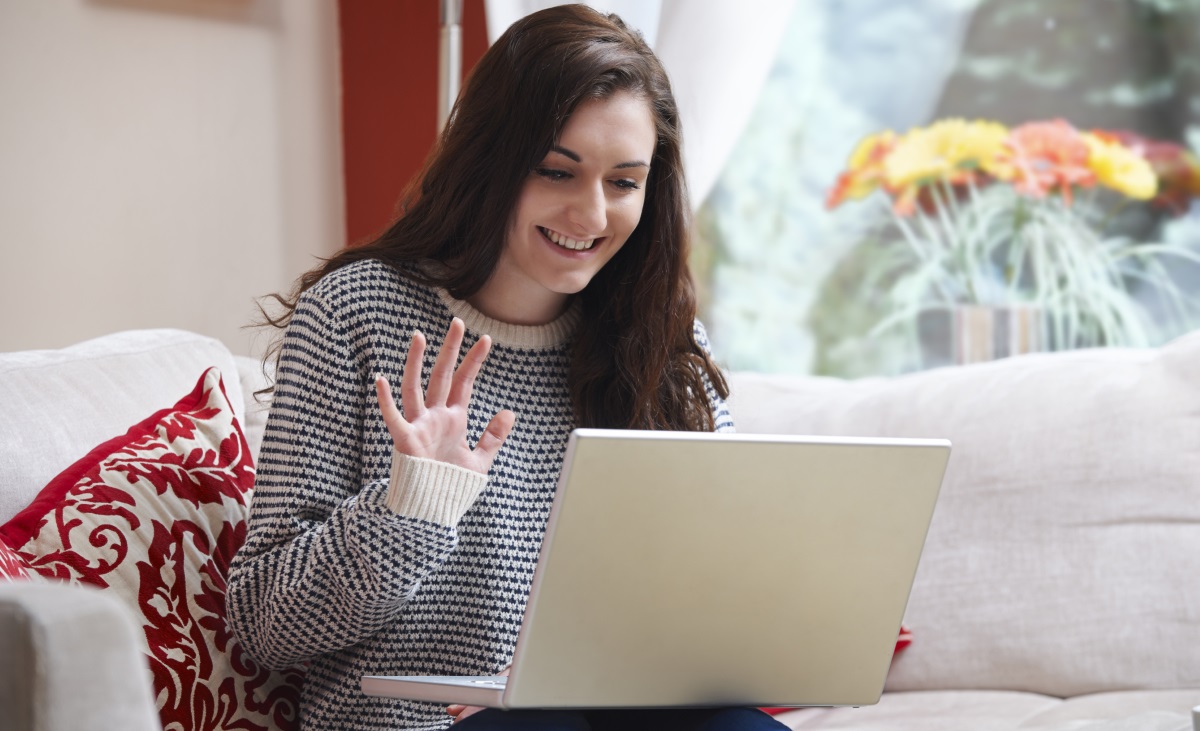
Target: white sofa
(1059,588)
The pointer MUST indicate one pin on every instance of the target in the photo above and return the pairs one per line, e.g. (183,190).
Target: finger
(410,385)
(454,709)
(392,417)
(494,435)
(443,367)
(464,377)
(468,711)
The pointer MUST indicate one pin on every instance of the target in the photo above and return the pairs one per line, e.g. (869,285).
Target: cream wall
(162,162)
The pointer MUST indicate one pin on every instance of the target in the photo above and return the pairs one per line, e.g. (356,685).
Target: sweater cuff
(426,489)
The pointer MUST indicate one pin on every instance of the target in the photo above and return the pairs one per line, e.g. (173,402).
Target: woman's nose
(588,210)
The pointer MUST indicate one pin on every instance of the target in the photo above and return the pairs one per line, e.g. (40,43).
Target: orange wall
(389,99)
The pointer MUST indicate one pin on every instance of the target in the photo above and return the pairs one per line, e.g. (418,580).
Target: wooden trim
(389,67)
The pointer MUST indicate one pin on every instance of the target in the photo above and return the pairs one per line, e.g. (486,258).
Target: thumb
(494,435)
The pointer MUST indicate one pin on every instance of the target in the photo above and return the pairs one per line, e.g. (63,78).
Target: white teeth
(567,242)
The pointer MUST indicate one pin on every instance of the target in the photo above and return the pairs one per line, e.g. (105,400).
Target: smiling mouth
(566,242)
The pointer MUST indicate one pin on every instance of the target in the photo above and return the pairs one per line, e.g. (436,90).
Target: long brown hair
(635,361)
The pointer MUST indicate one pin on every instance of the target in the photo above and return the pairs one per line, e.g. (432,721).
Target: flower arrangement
(1025,216)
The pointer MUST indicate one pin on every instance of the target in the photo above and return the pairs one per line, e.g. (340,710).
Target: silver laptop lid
(684,569)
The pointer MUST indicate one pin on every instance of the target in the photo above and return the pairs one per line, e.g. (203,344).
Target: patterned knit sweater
(360,561)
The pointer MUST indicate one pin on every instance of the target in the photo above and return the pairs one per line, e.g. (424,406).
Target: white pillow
(56,405)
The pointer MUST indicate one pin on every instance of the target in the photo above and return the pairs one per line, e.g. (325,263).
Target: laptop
(684,569)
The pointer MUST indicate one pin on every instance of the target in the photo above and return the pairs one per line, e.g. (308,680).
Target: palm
(439,433)
(434,424)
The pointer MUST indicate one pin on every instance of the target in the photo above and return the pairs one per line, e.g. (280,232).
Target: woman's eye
(626,184)
(552,174)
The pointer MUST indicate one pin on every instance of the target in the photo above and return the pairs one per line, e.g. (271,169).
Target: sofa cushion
(1162,710)
(12,566)
(947,710)
(1064,552)
(1150,707)
(155,517)
(58,404)
(1148,721)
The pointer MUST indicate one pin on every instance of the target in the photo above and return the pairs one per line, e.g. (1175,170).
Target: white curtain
(717,52)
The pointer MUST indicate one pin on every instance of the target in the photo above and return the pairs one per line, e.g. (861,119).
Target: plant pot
(976,333)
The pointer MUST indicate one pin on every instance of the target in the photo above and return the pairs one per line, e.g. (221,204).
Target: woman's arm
(721,416)
(328,560)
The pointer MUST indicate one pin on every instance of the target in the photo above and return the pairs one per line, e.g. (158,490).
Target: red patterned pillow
(155,516)
(12,566)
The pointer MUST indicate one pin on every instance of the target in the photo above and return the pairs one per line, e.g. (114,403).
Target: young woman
(547,235)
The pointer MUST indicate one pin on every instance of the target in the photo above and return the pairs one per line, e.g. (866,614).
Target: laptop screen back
(684,569)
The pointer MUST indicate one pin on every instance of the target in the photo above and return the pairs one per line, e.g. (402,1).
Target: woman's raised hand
(434,425)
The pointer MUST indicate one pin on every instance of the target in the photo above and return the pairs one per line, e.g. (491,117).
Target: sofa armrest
(71,661)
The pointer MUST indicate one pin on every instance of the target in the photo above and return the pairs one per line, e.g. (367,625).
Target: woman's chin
(575,286)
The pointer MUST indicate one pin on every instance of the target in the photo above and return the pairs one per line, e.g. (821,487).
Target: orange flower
(1041,156)
(864,173)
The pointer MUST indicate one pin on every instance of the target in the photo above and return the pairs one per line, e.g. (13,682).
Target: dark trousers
(674,719)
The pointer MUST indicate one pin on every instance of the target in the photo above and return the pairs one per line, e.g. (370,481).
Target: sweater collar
(556,332)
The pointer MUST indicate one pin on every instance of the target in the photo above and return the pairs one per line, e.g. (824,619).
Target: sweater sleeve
(721,415)
(328,559)
(438,492)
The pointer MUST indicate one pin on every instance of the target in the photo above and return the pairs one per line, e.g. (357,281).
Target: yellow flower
(944,149)
(1120,168)
(981,143)
(864,172)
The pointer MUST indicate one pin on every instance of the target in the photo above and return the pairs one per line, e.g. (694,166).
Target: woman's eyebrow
(566,153)
(575,157)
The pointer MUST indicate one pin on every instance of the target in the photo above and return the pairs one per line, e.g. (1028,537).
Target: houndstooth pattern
(329,575)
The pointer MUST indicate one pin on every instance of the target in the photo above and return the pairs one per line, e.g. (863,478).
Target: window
(786,285)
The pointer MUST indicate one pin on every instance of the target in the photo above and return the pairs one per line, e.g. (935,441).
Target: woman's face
(576,210)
